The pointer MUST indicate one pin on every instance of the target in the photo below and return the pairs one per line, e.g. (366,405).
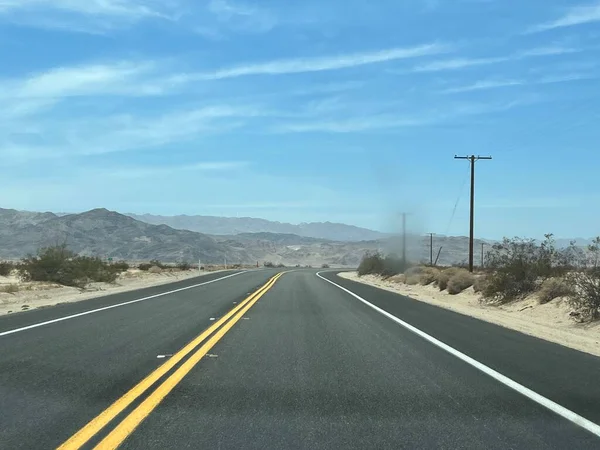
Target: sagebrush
(377,264)
(460,281)
(553,288)
(62,266)
(6,268)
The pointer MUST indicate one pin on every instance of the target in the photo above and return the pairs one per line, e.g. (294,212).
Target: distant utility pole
(404,239)
(482,258)
(431,249)
(472,159)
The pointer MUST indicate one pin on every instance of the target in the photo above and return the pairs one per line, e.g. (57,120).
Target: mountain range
(108,234)
(239,225)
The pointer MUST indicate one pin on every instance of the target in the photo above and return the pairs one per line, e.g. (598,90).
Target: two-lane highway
(289,361)
(56,377)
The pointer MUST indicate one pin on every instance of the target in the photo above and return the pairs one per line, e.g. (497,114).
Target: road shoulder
(549,322)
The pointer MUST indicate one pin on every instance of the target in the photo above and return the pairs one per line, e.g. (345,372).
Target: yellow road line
(99,422)
(137,416)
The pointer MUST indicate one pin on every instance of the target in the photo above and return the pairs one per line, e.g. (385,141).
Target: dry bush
(443,277)
(155,269)
(479,284)
(428,275)
(376,264)
(412,280)
(585,282)
(6,268)
(60,265)
(460,281)
(518,266)
(553,288)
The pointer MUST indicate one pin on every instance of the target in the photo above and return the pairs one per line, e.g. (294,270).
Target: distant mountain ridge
(239,225)
(105,233)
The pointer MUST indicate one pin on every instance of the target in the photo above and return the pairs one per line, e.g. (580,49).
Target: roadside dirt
(551,321)
(17,296)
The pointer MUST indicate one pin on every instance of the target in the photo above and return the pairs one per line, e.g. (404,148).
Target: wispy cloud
(241,16)
(457,63)
(153,171)
(92,136)
(547,51)
(95,79)
(461,63)
(496,84)
(97,14)
(318,64)
(378,122)
(577,15)
(483,85)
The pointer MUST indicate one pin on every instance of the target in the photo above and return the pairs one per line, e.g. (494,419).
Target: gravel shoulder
(551,321)
(17,296)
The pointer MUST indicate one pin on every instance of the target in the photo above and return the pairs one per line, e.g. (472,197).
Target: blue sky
(340,110)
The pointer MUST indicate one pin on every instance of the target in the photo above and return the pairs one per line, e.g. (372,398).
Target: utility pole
(431,249)
(482,259)
(472,159)
(404,239)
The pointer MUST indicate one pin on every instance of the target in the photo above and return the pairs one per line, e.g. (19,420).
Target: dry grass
(460,281)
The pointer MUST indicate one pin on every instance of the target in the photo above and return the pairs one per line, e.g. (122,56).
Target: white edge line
(85,313)
(547,403)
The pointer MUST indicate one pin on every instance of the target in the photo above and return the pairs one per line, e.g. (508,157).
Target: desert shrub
(268,264)
(280,266)
(88,269)
(479,284)
(60,265)
(184,266)
(155,269)
(585,282)
(145,266)
(443,277)
(10,288)
(519,266)
(376,264)
(157,263)
(325,266)
(6,268)
(371,264)
(428,276)
(393,265)
(460,281)
(120,266)
(553,288)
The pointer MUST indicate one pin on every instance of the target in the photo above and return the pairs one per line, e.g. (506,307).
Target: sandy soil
(27,296)
(551,321)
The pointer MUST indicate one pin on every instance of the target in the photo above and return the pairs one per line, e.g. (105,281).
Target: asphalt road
(306,366)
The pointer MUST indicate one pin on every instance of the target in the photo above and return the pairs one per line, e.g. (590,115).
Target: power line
(462,188)
(472,159)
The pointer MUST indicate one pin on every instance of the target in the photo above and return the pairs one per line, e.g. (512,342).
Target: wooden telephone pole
(472,159)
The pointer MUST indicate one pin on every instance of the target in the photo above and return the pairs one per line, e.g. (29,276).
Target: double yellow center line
(135,418)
